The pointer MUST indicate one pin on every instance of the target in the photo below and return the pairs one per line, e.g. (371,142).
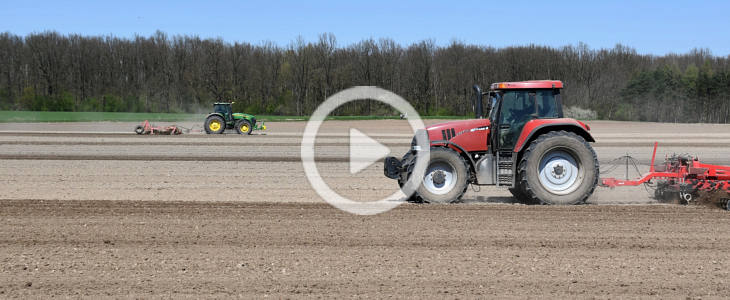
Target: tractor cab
(514,104)
(224,109)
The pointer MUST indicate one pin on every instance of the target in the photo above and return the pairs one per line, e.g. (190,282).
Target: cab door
(516,108)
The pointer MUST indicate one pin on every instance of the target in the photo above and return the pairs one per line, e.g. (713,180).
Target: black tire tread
(413,198)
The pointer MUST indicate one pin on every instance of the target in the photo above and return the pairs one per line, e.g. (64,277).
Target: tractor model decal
(450,134)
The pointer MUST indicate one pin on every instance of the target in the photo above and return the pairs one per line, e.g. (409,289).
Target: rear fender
(215,114)
(535,128)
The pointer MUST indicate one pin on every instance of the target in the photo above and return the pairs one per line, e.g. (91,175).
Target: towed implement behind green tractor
(223,118)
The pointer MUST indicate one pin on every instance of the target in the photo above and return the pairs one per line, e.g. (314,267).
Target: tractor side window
(517,106)
(546,107)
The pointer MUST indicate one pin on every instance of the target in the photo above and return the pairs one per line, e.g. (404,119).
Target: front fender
(535,128)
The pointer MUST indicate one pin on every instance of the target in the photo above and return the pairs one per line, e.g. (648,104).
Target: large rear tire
(214,125)
(559,168)
(519,194)
(446,177)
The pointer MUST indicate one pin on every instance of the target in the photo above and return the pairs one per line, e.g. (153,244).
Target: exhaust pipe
(478,110)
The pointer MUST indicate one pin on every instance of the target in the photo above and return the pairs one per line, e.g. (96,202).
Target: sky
(650,27)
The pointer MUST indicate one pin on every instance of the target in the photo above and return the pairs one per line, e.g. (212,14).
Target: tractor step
(504,169)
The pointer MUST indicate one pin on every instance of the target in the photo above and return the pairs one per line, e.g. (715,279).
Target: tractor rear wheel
(139,129)
(560,168)
(446,177)
(214,125)
(519,194)
(243,126)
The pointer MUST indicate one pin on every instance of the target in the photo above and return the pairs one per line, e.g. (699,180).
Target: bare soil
(91,209)
(214,249)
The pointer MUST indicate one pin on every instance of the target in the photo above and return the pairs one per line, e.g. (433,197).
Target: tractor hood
(469,134)
(457,126)
(242,115)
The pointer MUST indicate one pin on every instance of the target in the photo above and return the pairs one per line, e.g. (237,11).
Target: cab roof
(530,84)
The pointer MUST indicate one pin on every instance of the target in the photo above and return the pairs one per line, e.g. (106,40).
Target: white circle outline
(310,133)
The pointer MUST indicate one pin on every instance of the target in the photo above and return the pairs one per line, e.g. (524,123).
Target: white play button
(364,151)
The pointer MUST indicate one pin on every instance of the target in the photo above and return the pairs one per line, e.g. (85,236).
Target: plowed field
(91,209)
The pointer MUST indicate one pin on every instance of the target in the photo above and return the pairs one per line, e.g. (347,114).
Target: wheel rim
(440,178)
(244,128)
(559,173)
(214,125)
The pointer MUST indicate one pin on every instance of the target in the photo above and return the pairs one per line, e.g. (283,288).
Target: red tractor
(524,144)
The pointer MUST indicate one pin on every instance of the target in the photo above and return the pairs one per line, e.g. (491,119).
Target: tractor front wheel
(446,177)
(244,127)
(560,168)
(214,125)
(139,129)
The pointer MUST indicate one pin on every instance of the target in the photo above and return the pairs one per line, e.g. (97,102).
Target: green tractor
(223,118)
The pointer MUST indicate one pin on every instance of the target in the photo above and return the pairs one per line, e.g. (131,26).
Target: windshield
(493,105)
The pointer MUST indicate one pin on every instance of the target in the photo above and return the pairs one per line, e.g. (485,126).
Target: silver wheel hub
(559,173)
(440,178)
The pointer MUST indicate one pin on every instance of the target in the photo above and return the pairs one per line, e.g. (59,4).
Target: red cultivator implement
(147,128)
(685,178)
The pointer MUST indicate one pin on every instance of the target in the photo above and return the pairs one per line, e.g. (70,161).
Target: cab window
(517,106)
(546,107)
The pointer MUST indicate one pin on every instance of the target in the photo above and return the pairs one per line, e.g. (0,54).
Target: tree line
(159,73)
